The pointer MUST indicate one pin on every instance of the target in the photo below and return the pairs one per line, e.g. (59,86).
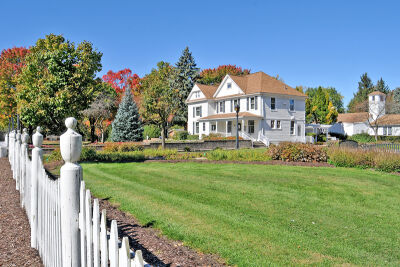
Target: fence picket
(82,223)
(103,239)
(89,233)
(124,253)
(96,233)
(113,246)
(138,260)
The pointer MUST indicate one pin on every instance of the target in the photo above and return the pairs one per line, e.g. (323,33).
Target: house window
(213,128)
(197,127)
(229,85)
(389,130)
(255,102)
(278,124)
(384,130)
(222,106)
(298,130)
(235,102)
(204,126)
(273,103)
(381,97)
(252,103)
(251,126)
(272,124)
(291,104)
(198,111)
(229,127)
(197,94)
(291,127)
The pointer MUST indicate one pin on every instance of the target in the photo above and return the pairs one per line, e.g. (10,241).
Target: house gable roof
(377,93)
(389,119)
(208,90)
(353,117)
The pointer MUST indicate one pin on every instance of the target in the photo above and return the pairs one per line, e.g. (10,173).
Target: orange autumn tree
(215,75)
(12,61)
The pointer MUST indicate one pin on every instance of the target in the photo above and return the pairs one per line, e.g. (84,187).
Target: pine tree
(365,87)
(182,80)
(127,125)
(381,86)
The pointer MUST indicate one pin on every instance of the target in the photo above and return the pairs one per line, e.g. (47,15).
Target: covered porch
(248,125)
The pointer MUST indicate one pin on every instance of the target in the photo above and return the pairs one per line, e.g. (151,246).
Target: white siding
(223,90)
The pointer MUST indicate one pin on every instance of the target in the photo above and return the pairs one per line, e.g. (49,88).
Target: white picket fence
(66,226)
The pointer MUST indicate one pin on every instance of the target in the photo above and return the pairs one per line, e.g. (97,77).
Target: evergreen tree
(381,86)
(127,125)
(396,100)
(365,87)
(182,81)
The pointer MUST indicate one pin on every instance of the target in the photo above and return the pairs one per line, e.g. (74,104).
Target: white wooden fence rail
(66,226)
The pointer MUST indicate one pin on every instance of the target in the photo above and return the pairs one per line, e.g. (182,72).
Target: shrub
(217,137)
(362,138)
(180,135)
(193,137)
(122,147)
(298,152)
(350,157)
(239,155)
(55,155)
(88,154)
(133,156)
(152,131)
(153,153)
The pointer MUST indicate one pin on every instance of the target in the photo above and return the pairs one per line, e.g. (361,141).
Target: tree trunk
(376,134)
(163,136)
(92,130)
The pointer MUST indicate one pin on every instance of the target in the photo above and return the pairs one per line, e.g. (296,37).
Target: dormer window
(229,85)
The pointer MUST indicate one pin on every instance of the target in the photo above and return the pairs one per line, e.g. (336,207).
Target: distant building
(360,122)
(270,111)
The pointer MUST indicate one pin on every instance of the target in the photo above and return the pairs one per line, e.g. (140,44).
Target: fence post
(18,160)
(37,153)
(10,148)
(70,178)
(24,151)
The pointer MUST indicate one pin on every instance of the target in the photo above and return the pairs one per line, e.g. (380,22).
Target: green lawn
(255,215)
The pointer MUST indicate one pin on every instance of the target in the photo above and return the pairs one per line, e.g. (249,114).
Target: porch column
(226,128)
(216,126)
(242,125)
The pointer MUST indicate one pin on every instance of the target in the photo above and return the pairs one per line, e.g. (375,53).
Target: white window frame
(273,125)
(292,129)
(213,127)
(291,107)
(197,127)
(252,102)
(198,111)
(280,124)
(204,126)
(229,85)
(390,130)
(384,130)
(274,108)
(251,128)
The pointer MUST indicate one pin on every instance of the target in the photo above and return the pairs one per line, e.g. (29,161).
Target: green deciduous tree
(127,125)
(182,80)
(158,98)
(57,82)
(319,105)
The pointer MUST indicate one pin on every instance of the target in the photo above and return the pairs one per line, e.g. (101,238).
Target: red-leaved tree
(12,61)
(121,79)
(215,76)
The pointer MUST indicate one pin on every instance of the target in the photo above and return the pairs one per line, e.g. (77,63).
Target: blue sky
(309,43)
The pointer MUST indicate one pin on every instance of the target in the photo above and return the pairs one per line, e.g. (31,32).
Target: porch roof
(230,116)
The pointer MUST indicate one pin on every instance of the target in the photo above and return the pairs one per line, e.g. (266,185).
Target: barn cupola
(376,103)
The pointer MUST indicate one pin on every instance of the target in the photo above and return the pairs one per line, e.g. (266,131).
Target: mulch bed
(157,250)
(15,237)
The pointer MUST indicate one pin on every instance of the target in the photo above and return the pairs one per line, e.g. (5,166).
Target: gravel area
(15,238)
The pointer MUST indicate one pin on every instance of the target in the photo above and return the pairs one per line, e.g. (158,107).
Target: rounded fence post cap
(70,123)
(38,129)
(37,138)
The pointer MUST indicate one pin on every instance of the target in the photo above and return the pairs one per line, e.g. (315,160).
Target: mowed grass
(255,215)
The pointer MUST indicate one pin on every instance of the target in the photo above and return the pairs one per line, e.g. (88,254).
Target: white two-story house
(270,111)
